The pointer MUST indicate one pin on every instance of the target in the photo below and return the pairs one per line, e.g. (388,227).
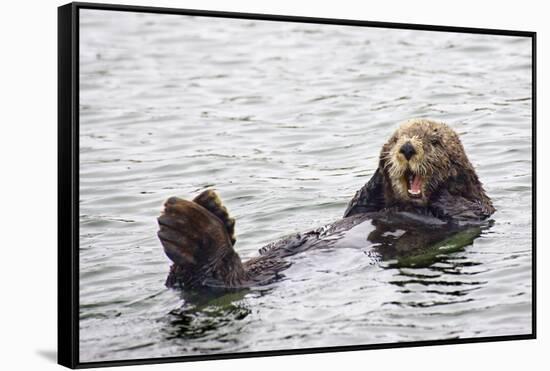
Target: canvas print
(260,185)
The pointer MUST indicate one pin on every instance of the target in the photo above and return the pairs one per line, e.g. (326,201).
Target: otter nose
(407,150)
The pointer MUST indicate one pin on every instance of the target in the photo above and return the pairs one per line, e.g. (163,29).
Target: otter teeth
(414,181)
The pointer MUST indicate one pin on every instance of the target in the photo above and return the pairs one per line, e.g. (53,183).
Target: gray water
(286,122)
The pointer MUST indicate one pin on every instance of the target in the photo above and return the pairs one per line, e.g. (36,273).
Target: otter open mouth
(414,184)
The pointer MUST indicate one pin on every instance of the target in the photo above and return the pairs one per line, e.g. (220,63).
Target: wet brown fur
(440,158)
(198,243)
(451,187)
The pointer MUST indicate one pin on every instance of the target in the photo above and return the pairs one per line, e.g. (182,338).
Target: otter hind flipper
(198,244)
(210,200)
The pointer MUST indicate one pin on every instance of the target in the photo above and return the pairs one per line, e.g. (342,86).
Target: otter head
(423,165)
(418,159)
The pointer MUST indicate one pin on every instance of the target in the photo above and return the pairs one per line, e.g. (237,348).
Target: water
(286,121)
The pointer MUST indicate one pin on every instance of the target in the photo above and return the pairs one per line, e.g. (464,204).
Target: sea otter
(425,188)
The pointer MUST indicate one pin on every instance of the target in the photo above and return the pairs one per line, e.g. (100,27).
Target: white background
(28,182)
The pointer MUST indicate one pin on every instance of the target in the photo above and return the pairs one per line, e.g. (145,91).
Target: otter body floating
(425,188)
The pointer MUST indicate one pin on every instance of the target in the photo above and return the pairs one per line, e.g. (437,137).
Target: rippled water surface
(286,122)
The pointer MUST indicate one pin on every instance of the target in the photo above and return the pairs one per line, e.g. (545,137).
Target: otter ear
(435,138)
(370,197)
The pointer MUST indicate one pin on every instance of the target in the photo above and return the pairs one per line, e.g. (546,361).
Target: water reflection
(204,312)
(404,239)
(419,248)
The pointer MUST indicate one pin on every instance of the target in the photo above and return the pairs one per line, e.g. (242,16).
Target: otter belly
(386,235)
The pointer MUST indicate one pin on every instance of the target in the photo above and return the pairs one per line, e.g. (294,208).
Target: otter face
(417,159)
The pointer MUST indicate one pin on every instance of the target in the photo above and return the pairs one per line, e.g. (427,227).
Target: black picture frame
(68,181)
